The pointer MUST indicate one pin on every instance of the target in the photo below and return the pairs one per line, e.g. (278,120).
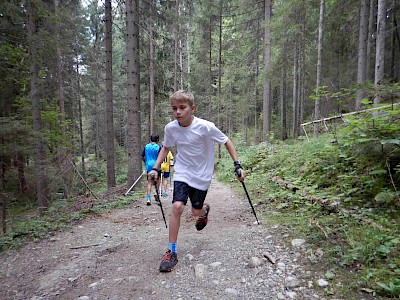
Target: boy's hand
(155,173)
(239,171)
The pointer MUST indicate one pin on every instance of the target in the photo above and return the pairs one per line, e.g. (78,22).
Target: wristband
(237,163)
(158,170)
(238,166)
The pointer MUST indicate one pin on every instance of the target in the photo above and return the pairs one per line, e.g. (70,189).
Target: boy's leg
(164,183)
(148,201)
(175,221)
(170,258)
(199,208)
(165,180)
(199,212)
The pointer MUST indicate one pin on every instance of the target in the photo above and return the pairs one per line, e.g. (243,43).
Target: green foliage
(59,215)
(356,166)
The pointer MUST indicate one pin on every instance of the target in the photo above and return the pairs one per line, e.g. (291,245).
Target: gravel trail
(116,255)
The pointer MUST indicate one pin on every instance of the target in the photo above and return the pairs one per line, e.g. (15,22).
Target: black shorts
(182,191)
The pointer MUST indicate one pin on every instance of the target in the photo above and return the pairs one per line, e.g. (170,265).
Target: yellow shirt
(165,165)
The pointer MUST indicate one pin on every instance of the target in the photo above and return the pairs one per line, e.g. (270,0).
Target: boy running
(194,139)
(166,171)
(149,156)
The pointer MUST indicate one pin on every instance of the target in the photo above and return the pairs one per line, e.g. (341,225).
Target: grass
(26,225)
(360,242)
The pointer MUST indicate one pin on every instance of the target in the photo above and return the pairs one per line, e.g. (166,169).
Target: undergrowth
(59,215)
(346,204)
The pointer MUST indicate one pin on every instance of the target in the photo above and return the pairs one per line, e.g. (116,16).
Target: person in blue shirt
(149,156)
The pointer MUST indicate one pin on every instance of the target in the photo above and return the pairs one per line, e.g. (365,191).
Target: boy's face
(182,111)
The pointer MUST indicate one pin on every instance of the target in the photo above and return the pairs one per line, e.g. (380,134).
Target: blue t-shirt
(150,154)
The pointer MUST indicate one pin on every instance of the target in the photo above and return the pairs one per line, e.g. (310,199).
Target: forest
(85,83)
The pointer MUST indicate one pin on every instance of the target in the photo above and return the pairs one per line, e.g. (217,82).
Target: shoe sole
(200,226)
(148,203)
(166,270)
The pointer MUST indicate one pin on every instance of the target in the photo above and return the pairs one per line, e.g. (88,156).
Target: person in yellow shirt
(166,170)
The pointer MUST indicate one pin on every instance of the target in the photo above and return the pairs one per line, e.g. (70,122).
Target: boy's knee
(177,207)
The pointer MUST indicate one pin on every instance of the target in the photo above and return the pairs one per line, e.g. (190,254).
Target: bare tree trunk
(267,61)
(61,97)
(133,90)
(319,64)
(220,68)
(371,38)
(3,213)
(62,151)
(82,148)
(20,164)
(362,51)
(302,89)
(256,92)
(41,182)
(210,73)
(295,94)
(176,48)
(109,98)
(151,72)
(380,47)
(283,102)
(394,63)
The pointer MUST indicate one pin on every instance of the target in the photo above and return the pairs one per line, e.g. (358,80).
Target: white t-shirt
(194,161)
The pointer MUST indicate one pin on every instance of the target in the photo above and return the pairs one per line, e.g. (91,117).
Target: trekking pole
(127,192)
(159,200)
(238,173)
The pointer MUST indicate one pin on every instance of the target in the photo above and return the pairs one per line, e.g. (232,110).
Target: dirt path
(116,255)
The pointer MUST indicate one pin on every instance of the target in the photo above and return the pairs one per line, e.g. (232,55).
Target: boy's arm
(232,152)
(143,155)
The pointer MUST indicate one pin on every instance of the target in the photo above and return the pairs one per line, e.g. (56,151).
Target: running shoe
(148,202)
(168,262)
(202,220)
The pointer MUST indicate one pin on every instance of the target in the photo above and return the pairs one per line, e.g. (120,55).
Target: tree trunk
(41,182)
(394,59)
(319,65)
(3,213)
(267,82)
(62,163)
(256,91)
(109,98)
(133,91)
(300,70)
(295,94)
(370,40)
(176,43)
(302,90)
(151,71)
(82,148)
(380,47)
(20,164)
(283,102)
(362,51)
(220,69)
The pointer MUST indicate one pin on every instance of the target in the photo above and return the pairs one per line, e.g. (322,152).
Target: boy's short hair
(154,137)
(182,95)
